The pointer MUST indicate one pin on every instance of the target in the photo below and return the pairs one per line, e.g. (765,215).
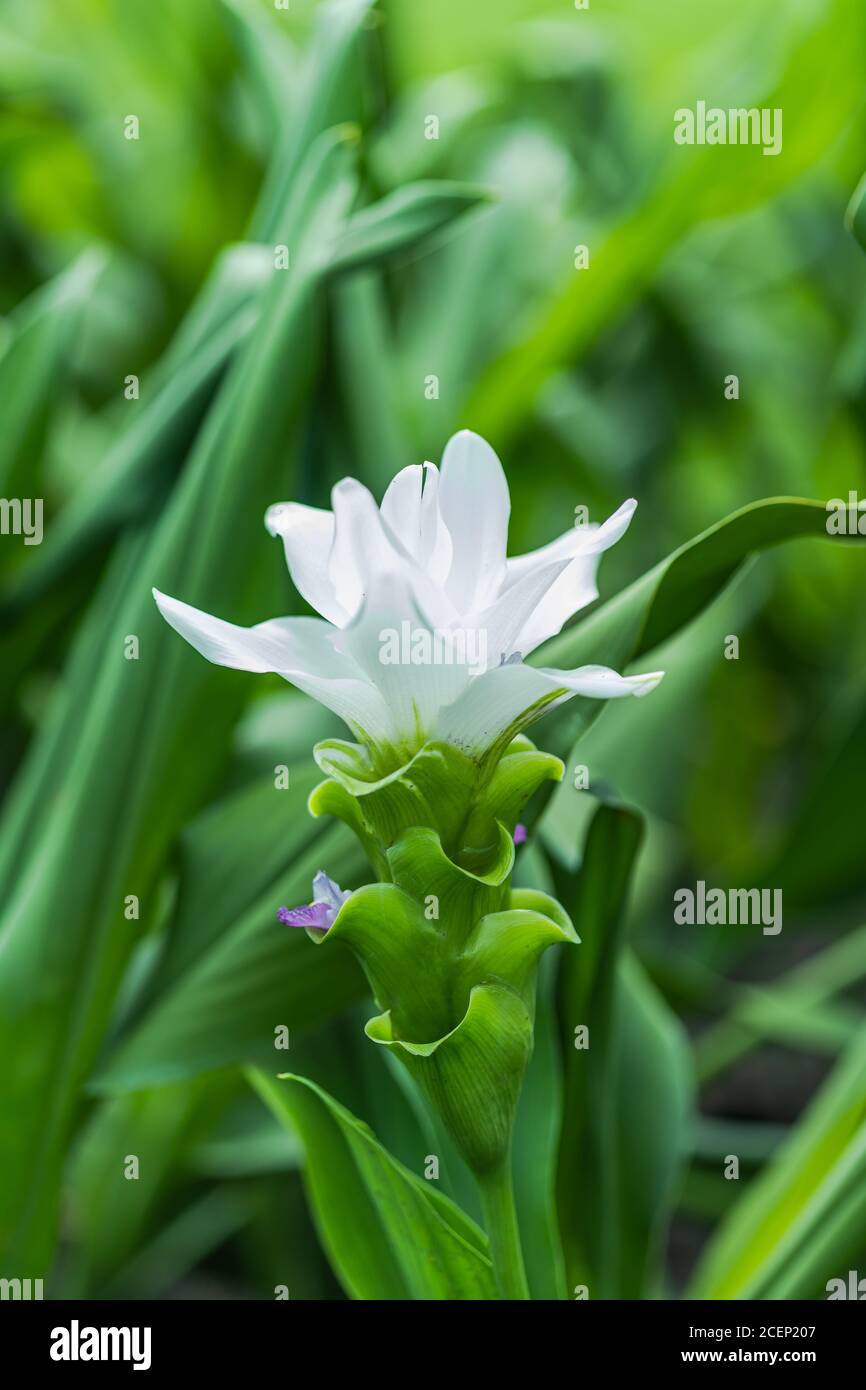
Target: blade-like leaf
(33,364)
(822,57)
(793,1008)
(389,1234)
(111,1214)
(668,596)
(137,472)
(801,1222)
(131,763)
(227,957)
(402,221)
(626,1081)
(855,217)
(327,93)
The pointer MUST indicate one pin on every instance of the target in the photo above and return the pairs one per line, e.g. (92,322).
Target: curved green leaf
(823,56)
(389,1234)
(669,596)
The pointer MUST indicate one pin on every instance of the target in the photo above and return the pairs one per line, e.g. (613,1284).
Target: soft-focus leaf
(401,221)
(131,752)
(136,473)
(111,1214)
(801,1222)
(227,957)
(698,186)
(328,93)
(33,364)
(663,600)
(626,1082)
(794,1008)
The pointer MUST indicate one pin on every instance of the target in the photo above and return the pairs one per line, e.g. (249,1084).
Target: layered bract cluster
(449,947)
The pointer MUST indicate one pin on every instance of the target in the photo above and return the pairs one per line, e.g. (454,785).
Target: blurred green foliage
(411,258)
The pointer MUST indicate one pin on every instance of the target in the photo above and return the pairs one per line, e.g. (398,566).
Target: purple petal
(315,915)
(519,834)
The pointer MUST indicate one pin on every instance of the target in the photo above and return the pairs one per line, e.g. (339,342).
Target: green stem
(500,1218)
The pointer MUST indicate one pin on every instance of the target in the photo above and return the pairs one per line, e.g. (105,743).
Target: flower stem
(500,1218)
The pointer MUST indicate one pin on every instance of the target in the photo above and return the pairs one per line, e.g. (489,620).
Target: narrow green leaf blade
(800,1223)
(626,1081)
(669,596)
(402,220)
(388,1233)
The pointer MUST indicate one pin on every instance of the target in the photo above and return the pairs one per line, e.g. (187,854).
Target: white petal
(363,544)
(474,503)
(501,626)
(576,586)
(416,665)
(600,682)
(401,506)
(580,540)
(410,510)
(506,699)
(436,550)
(572,590)
(308,534)
(301,650)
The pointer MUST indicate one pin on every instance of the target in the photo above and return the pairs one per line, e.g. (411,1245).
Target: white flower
(431,561)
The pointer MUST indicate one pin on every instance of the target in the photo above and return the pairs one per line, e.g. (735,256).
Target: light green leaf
(327,93)
(823,57)
(388,1233)
(801,1222)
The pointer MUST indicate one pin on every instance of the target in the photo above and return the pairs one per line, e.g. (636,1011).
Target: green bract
(449,947)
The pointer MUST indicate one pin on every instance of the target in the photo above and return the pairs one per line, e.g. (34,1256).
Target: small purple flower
(520,834)
(328,898)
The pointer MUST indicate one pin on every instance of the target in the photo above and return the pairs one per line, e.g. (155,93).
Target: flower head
(328,898)
(425,622)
